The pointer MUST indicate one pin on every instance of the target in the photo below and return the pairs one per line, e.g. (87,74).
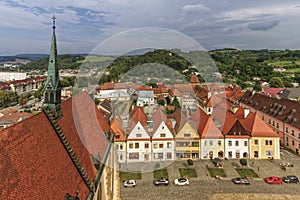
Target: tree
(169,100)
(243,162)
(38,94)
(190,162)
(161,102)
(176,103)
(23,100)
(276,82)
(257,86)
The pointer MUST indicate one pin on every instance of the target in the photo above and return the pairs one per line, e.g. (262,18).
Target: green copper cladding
(52,91)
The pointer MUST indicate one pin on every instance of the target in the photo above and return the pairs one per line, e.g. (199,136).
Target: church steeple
(52,91)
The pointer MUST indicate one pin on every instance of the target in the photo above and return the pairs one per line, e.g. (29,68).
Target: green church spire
(52,91)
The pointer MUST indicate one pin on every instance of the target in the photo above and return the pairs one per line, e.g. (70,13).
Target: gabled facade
(138,139)
(138,144)
(119,138)
(211,138)
(162,138)
(187,144)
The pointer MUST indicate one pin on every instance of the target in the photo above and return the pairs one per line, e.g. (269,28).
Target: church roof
(35,164)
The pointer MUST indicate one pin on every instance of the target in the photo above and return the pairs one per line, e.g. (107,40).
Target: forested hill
(64,62)
(244,65)
(236,66)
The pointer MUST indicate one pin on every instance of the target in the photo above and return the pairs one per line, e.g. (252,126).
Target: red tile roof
(13,118)
(282,109)
(117,127)
(35,164)
(157,118)
(272,91)
(194,79)
(206,127)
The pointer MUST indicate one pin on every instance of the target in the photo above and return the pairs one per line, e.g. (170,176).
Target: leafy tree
(22,100)
(7,98)
(257,86)
(276,82)
(190,162)
(161,102)
(169,100)
(176,103)
(243,162)
(39,93)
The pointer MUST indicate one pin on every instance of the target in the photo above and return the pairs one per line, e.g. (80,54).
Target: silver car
(129,183)
(241,181)
(161,181)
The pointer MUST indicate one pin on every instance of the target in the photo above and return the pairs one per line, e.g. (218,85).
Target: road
(205,189)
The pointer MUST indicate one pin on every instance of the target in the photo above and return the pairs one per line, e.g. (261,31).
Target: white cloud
(195,8)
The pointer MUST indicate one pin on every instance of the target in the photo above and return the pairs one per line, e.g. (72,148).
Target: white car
(181,181)
(129,183)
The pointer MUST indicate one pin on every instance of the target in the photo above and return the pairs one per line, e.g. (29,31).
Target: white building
(9,76)
(145,97)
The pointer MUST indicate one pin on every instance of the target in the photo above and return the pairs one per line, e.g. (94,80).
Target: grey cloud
(263,25)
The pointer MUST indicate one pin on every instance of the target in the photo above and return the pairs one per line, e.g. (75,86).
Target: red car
(273,180)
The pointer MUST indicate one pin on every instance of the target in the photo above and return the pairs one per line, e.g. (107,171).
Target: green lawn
(247,172)
(216,172)
(160,173)
(130,175)
(188,172)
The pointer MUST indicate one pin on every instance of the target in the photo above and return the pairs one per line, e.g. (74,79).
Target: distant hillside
(64,62)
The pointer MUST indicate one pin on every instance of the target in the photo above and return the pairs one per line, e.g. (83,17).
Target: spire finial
(53,18)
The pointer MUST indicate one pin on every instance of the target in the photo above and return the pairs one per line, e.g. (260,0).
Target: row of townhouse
(23,86)
(282,115)
(229,133)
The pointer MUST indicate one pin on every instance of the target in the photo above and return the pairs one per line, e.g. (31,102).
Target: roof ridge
(68,147)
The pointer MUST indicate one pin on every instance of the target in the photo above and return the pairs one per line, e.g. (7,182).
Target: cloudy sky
(25,25)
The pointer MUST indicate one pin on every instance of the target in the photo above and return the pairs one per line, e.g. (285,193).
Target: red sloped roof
(194,79)
(35,165)
(117,127)
(157,118)
(261,129)
(81,115)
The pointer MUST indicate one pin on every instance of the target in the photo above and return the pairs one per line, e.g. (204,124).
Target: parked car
(129,183)
(290,179)
(181,181)
(240,180)
(161,181)
(273,180)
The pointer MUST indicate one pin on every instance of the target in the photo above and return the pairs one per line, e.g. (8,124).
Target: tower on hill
(52,91)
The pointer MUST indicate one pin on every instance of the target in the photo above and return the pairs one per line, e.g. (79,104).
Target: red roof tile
(36,163)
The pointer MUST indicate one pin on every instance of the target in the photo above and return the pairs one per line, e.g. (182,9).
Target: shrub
(243,162)
(190,162)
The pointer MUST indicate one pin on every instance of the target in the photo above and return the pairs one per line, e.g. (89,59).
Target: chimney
(246,112)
